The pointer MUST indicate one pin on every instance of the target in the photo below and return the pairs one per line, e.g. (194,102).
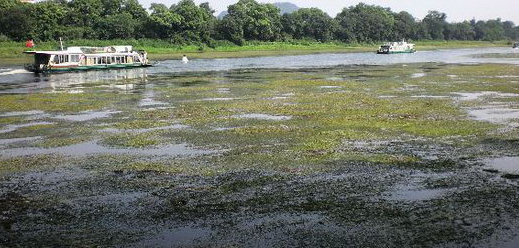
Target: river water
(14,79)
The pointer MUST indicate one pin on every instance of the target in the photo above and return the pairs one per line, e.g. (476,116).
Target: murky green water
(312,153)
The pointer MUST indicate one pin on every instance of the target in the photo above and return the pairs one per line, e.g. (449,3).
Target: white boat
(396,47)
(87,58)
(516,45)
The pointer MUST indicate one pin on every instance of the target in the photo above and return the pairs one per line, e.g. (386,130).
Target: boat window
(74,58)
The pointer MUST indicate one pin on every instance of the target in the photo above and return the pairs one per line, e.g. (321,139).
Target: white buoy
(184,59)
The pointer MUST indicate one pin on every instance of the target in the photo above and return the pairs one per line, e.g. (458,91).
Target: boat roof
(88,50)
(48,52)
(77,53)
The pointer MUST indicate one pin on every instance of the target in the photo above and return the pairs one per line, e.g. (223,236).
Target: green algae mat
(406,155)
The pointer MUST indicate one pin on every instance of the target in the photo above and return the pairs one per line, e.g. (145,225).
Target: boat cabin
(396,47)
(86,58)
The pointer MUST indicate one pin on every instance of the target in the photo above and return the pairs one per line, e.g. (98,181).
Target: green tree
(117,26)
(406,26)
(435,24)
(84,15)
(365,23)
(7,4)
(250,20)
(50,16)
(510,30)
(162,22)
(196,22)
(231,29)
(15,21)
(460,31)
(490,30)
(310,23)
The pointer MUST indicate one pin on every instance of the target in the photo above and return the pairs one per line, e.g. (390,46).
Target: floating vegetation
(271,157)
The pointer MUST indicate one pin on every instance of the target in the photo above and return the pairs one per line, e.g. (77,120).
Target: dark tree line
(187,22)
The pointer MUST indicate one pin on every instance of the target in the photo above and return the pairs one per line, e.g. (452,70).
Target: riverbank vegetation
(11,51)
(186,23)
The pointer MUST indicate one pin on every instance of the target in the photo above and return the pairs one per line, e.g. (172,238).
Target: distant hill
(285,7)
(222,14)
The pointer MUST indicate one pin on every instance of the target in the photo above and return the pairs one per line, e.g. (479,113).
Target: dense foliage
(189,23)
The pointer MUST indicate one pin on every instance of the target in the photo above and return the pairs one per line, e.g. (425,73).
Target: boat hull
(56,69)
(395,52)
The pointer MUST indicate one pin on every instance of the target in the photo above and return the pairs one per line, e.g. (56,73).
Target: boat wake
(13,72)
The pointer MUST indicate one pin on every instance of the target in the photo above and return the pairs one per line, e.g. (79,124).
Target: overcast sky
(456,10)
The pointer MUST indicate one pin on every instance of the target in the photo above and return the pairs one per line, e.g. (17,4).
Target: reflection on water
(11,128)
(504,164)
(412,193)
(87,115)
(92,148)
(21,82)
(264,117)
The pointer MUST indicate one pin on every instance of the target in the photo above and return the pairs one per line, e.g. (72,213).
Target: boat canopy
(48,52)
(88,50)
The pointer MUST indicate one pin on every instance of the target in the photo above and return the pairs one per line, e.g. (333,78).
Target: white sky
(456,10)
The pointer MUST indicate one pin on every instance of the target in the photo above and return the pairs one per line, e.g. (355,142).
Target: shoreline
(286,49)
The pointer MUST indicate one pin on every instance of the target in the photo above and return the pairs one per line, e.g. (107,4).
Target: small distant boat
(516,45)
(396,47)
(87,58)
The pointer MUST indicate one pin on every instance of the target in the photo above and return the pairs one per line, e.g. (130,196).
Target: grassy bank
(11,52)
